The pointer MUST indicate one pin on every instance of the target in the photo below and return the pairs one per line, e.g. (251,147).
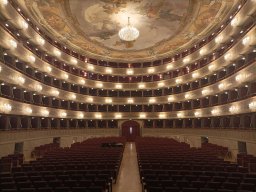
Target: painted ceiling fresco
(91,26)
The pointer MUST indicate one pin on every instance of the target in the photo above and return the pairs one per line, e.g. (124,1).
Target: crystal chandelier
(129,33)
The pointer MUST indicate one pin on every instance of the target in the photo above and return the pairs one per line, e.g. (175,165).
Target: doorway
(130,130)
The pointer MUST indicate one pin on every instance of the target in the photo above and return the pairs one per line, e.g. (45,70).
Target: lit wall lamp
(234,109)
(5,107)
(252,106)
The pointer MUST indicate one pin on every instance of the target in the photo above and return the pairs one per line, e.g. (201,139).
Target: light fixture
(142,115)
(72,96)
(162,115)
(57,52)
(40,40)
(99,85)
(160,84)
(252,105)
(152,100)
(20,80)
(108,100)
(80,115)
(129,72)
(12,44)
(31,58)
(64,76)
(246,40)
(44,112)
(178,81)
(206,91)
(169,66)
(90,99)
(198,113)
(48,69)
(234,109)
(98,115)
(73,61)
(195,75)
(23,24)
(119,86)
(63,114)
(130,100)
(82,81)
(151,70)
(27,110)
(108,70)
(90,67)
(242,77)
(141,86)
(3,2)
(5,107)
(55,92)
(118,116)
(219,39)
(128,33)
(171,98)
(38,87)
(215,111)
(180,114)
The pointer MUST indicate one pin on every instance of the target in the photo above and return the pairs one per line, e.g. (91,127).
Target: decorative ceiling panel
(91,26)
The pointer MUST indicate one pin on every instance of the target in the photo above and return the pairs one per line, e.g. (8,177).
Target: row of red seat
(9,161)
(248,161)
(167,165)
(41,150)
(69,169)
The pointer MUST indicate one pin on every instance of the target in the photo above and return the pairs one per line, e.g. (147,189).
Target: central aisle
(128,179)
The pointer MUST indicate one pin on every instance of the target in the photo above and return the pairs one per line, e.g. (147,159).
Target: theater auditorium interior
(127,96)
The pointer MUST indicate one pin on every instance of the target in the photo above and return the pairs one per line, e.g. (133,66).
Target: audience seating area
(85,166)
(43,149)
(9,161)
(248,161)
(167,165)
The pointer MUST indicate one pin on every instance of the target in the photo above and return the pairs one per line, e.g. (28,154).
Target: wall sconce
(90,67)
(202,51)
(171,98)
(252,105)
(152,100)
(73,61)
(118,116)
(234,109)
(57,52)
(64,76)
(151,70)
(27,110)
(169,66)
(119,86)
(108,100)
(37,87)
(108,70)
(206,92)
(215,111)
(44,113)
(55,92)
(219,39)
(130,100)
(12,44)
(40,40)
(141,86)
(180,115)
(5,107)
(80,115)
(198,113)
(142,116)
(31,59)
(129,72)
(162,116)
(178,81)
(186,60)
(72,96)
(242,77)
(82,81)
(160,84)
(98,116)
(63,114)
(20,80)
(195,75)
(23,24)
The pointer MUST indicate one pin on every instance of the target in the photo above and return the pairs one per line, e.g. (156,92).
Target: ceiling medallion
(129,33)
